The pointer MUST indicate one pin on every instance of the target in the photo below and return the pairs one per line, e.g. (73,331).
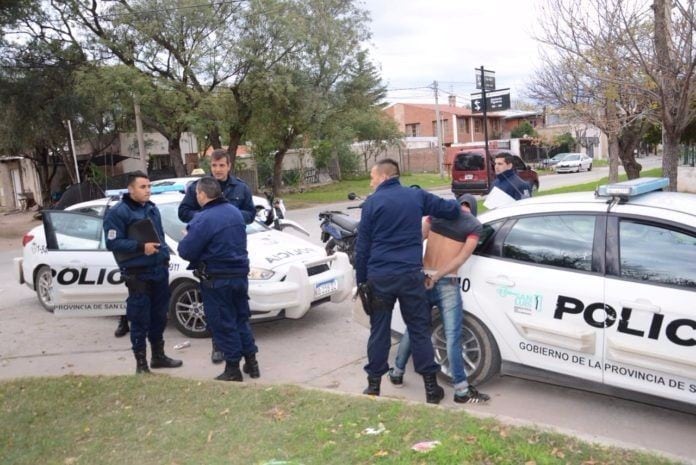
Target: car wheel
(480,351)
(186,309)
(535,188)
(43,283)
(589,168)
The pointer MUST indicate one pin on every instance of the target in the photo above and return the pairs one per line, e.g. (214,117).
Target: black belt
(143,269)
(452,279)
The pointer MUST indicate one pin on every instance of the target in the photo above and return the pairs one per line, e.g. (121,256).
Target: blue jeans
(409,288)
(226,307)
(446,296)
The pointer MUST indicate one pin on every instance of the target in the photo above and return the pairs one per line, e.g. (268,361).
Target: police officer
(388,259)
(216,247)
(145,266)
(234,190)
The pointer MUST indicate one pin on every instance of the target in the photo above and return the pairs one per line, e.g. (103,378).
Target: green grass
(338,192)
(161,420)
(592,185)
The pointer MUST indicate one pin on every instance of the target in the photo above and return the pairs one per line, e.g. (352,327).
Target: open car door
(85,278)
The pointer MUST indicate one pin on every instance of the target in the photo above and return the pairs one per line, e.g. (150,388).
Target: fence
(688,155)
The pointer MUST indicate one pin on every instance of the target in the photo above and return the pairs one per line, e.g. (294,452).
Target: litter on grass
(425,446)
(374,431)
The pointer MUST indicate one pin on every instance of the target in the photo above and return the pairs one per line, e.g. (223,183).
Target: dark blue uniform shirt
(234,190)
(390,240)
(116,223)
(217,237)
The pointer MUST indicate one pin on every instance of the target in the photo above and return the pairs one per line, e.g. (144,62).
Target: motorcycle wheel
(330,247)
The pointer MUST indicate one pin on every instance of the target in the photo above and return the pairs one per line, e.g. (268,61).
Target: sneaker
(396,380)
(471,396)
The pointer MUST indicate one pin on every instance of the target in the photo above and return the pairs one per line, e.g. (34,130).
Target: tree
(584,79)
(523,129)
(375,132)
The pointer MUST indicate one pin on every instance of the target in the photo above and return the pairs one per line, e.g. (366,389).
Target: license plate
(467,177)
(327,287)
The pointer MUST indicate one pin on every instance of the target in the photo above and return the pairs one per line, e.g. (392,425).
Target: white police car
(67,263)
(591,291)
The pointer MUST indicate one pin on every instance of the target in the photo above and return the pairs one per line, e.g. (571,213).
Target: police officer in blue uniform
(234,190)
(389,261)
(145,266)
(216,247)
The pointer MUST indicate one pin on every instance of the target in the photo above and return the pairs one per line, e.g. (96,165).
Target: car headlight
(260,273)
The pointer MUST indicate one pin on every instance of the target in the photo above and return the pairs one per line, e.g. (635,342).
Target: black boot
(141,362)
(251,366)
(373,383)
(231,372)
(433,391)
(122,328)
(159,360)
(216,355)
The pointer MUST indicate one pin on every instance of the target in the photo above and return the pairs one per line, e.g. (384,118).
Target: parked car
(551,162)
(586,290)
(470,176)
(574,162)
(66,262)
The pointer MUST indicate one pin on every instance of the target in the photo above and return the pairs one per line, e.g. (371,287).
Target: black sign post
(485,81)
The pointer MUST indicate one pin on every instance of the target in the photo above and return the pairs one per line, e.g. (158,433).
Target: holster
(367,296)
(135,285)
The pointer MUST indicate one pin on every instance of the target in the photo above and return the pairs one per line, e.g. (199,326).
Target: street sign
(496,103)
(488,80)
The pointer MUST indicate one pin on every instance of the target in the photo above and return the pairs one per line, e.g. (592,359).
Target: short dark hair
(219,154)
(388,167)
(209,186)
(509,158)
(133,175)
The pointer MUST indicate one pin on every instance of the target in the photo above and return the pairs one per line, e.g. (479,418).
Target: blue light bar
(633,187)
(117,193)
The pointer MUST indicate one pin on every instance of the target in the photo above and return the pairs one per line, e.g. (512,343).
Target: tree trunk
(628,141)
(278,170)
(214,138)
(670,157)
(235,138)
(613,158)
(175,155)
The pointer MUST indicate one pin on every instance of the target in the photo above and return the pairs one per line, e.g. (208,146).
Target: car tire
(186,310)
(481,353)
(589,168)
(43,281)
(535,188)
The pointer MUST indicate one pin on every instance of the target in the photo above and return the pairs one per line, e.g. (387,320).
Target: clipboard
(142,231)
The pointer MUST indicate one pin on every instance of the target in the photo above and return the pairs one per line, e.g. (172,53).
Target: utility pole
(438,128)
(485,108)
(72,144)
(139,134)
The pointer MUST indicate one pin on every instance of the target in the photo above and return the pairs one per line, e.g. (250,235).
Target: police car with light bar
(66,262)
(590,290)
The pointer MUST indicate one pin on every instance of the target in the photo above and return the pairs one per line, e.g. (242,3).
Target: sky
(416,42)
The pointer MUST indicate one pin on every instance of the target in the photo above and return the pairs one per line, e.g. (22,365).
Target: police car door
(86,280)
(536,283)
(650,291)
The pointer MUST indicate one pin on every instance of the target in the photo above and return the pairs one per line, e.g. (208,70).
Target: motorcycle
(339,231)
(273,215)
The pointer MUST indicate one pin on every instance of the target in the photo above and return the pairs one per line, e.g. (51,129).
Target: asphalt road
(325,349)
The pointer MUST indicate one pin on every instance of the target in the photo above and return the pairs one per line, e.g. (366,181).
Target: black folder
(142,231)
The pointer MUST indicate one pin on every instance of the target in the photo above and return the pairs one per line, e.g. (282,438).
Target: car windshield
(176,229)
(572,158)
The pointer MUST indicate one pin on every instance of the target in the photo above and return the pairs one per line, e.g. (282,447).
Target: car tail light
(27,239)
